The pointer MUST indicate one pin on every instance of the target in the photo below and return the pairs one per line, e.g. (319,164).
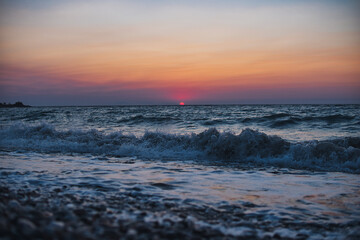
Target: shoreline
(37,213)
(64,213)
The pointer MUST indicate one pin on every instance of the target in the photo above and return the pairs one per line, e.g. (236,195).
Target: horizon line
(205,104)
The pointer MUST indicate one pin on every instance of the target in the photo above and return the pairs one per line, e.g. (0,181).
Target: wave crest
(248,147)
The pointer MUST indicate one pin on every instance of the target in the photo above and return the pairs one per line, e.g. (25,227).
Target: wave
(33,116)
(249,147)
(146,119)
(277,115)
(283,123)
(336,118)
(280,120)
(214,122)
(266,117)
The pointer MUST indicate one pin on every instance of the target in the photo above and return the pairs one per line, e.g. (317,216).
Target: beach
(56,201)
(113,174)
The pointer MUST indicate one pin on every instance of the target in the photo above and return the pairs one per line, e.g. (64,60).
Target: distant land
(9,105)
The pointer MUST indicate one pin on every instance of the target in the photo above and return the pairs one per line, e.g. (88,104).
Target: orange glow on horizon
(167,53)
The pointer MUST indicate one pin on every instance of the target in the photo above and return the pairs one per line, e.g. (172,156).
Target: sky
(164,52)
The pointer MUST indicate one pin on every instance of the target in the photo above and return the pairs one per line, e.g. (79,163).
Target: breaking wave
(249,147)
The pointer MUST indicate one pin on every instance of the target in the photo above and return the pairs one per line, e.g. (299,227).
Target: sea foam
(250,147)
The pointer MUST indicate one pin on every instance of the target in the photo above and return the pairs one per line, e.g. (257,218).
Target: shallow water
(310,197)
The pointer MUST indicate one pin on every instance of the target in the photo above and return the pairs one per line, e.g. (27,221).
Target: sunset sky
(165,52)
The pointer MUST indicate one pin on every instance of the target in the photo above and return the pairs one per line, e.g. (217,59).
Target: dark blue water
(292,168)
(292,122)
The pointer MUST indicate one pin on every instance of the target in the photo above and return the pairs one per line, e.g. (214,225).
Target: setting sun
(272,92)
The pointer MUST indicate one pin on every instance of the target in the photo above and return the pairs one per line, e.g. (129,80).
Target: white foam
(249,147)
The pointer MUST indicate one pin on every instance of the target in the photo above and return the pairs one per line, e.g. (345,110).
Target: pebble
(56,226)
(15,205)
(47,214)
(26,226)
(70,206)
(131,233)
(118,216)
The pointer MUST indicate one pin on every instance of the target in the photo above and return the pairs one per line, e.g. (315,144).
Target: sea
(292,168)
